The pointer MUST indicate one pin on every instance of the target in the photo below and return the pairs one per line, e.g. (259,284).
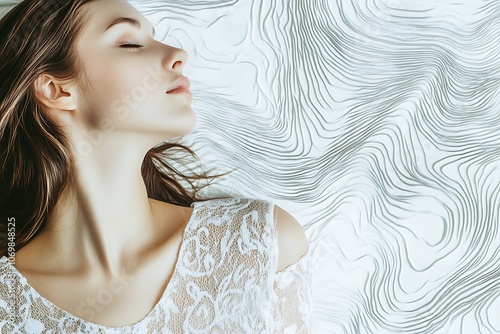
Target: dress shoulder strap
(241,229)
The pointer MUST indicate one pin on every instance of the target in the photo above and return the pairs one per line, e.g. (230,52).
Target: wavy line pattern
(376,123)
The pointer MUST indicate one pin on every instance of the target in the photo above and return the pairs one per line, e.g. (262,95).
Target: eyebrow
(129,20)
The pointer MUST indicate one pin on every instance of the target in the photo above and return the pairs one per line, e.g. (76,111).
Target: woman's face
(129,73)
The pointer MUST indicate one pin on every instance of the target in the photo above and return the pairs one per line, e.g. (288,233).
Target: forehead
(102,12)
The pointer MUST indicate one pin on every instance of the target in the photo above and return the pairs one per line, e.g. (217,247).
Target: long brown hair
(39,36)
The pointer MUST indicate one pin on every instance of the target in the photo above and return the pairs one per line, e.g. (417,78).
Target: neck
(105,219)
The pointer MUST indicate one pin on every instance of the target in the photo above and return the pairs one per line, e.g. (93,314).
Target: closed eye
(131,46)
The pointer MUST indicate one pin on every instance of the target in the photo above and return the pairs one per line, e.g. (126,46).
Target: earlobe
(53,94)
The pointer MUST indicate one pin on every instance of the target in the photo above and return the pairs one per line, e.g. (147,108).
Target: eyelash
(131,46)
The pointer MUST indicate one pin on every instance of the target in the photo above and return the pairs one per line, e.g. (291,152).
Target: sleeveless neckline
(130,326)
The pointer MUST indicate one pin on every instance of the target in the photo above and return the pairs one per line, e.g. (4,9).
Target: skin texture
(106,229)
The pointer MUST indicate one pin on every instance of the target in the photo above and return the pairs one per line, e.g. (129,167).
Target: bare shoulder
(292,239)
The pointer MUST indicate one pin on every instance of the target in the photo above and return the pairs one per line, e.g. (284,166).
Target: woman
(97,234)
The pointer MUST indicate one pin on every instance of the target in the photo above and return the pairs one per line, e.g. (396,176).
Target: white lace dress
(224,281)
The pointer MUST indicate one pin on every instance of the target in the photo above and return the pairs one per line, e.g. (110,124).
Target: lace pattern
(228,286)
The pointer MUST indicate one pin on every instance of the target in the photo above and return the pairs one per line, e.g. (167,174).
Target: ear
(54,94)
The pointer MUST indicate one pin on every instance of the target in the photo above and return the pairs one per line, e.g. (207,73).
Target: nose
(174,58)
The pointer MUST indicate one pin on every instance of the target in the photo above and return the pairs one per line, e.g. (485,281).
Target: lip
(181,85)
(180,90)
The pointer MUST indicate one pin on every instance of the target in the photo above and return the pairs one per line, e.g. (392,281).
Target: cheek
(115,82)
(114,88)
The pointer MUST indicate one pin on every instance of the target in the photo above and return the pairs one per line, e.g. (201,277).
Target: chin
(172,128)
